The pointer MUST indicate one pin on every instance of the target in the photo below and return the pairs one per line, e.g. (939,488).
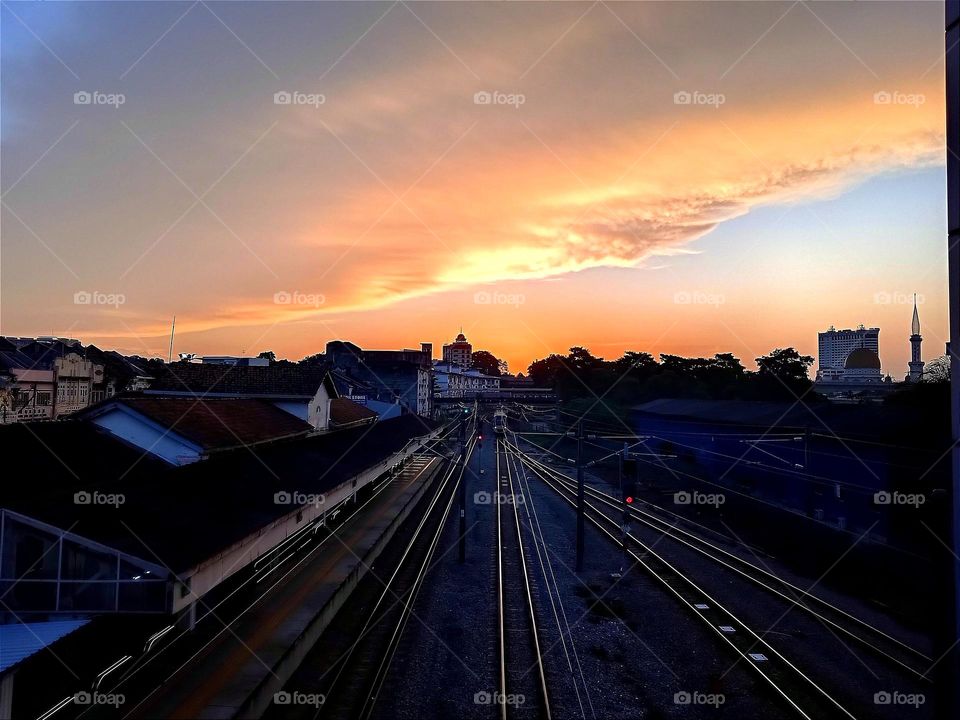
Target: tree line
(782,374)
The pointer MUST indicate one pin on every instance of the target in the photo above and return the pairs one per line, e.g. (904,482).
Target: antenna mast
(173,327)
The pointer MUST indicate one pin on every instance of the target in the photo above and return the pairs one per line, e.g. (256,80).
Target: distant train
(499,422)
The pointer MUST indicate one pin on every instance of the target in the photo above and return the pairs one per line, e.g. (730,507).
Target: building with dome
(833,347)
(849,361)
(862,366)
(459,352)
(860,377)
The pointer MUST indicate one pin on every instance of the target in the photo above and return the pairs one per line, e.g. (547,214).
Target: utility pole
(637,486)
(580,496)
(463,489)
(625,522)
(623,458)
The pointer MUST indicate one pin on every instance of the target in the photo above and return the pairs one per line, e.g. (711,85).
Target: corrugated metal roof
(18,641)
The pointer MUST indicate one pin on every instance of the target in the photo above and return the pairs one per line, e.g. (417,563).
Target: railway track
(362,671)
(880,643)
(570,688)
(805,696)
(522,676)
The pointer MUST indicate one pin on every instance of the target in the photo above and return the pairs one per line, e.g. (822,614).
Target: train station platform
(238,672)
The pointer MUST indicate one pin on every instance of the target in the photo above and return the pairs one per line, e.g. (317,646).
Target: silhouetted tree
(545,372)
(635,363)
(636,376)
(786,364)
(786,368)
(312,360)
(937,370)
(487,363)
(728,363)
(580,359)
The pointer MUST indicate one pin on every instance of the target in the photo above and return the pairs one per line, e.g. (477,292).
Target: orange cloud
(522,213)
(507,205)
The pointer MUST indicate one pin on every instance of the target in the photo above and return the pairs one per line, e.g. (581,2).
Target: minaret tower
(916,363)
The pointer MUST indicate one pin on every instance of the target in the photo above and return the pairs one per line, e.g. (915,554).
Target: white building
(835,345)
(75,378)
(453,380)
(27,396)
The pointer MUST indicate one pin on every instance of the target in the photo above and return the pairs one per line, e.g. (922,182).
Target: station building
(101,517)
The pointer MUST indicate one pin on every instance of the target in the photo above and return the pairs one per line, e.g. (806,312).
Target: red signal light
(629,499)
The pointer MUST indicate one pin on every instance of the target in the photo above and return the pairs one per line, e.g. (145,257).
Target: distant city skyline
(438,349)
(680,178)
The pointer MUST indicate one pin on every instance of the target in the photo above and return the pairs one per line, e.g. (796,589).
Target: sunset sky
(598,211)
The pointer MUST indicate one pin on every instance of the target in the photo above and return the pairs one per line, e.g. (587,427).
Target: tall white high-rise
(835,345)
